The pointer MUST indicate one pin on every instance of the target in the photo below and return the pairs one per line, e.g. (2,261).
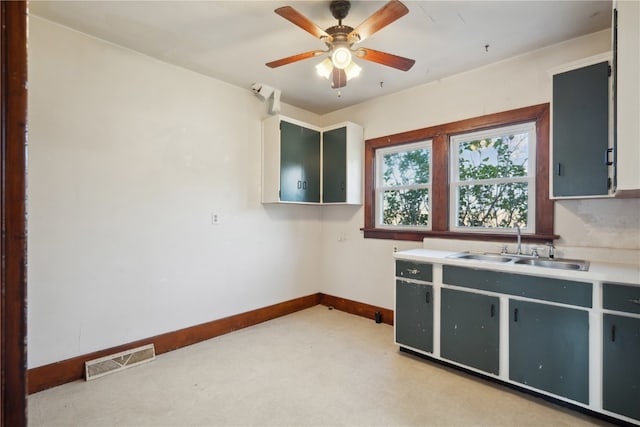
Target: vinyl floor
(316,367)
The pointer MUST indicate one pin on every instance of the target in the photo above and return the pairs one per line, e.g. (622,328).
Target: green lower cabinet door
(414,315)
(621,365)
(470,329)
(549,348)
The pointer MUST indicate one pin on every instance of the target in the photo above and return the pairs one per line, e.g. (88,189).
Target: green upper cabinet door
(299,163)
(342,153)
(334,166)
(291,162)
(581,132)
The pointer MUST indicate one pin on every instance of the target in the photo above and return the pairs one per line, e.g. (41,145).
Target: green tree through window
(405,186)
(493,180)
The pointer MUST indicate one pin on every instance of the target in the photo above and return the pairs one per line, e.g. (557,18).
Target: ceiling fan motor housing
(340,9)
(339,34)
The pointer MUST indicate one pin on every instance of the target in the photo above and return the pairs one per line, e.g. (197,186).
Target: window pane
(493,206)
(406,207)
(500,157)
(406,167)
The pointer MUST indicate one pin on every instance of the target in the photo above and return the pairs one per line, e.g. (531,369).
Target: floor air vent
(119,361)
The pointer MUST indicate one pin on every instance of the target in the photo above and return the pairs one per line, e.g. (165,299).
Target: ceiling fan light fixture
(325,68)
(339,66)
(341,57)
(352,70)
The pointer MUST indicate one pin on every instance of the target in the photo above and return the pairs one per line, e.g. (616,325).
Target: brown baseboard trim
(357,308)
(58,373)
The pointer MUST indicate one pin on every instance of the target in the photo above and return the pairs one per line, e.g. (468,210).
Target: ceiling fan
(340,39)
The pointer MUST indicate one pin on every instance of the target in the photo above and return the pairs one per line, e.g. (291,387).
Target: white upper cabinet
(628,98)
(592,155)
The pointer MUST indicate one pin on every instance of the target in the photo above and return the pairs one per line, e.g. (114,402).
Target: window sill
(417,236)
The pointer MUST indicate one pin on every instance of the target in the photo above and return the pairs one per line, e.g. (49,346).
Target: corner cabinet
(302,163)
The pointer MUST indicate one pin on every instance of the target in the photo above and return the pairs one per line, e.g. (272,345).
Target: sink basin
(562,264)
(482,257)
(558,263)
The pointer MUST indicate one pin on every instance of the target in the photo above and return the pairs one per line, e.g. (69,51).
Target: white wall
(128,158)
(362,269)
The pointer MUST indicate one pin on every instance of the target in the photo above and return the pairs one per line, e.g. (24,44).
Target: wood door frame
(13,248)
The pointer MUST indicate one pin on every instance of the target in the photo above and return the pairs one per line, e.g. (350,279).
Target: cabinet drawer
(621,298)
(414,270)
(541,288)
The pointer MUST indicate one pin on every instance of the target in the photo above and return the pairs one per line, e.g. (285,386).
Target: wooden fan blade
(295,17)
(294,58)
(339,78)
(395,61)
(383,17)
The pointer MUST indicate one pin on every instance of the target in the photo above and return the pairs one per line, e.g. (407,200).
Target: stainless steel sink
(482,257)
(558,263)
(562,264)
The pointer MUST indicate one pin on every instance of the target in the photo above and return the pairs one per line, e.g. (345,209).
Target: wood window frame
(13,249)
(439,135)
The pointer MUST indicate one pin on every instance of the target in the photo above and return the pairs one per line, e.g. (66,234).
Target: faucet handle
(504,250)
(551,248)
(534,252)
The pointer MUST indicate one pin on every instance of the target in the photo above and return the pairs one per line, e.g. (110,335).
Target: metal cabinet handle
(558,170)
(493,310)
(613,333)
(299,185)
(606,156)
(515,315)
(635,301)
(304,185)
(427,297)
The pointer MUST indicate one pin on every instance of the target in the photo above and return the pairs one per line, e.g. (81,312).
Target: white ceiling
(232,40)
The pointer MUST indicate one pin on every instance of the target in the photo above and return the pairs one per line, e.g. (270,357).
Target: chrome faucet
(519,248)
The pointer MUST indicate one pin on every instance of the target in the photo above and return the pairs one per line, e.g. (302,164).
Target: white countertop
(597,272)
